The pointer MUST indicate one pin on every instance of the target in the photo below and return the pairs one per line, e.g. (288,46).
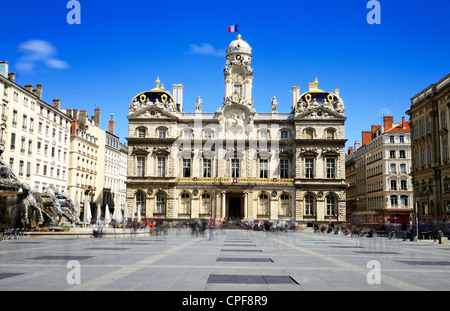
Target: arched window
(284,205)
(140,202)
(160,203)
(309,205)
(141,132)
(330,134)
(263,208)
(206,204)
(331,205)
(185,204)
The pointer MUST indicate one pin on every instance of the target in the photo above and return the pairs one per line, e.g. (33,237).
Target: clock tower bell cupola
(238,72)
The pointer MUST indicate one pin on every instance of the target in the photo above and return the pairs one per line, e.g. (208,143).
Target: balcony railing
(240,180)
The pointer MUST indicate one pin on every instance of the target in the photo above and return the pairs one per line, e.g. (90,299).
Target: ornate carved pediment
(317,113)
(330,151)
(235,153)
(164,150)
(143,150)
(309,151)
(285,152)
(151,112)
(185,152)
(264,154)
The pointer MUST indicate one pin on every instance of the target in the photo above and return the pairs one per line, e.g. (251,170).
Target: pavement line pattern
(385,279)
(118,274)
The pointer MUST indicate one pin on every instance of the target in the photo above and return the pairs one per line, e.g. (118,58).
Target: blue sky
(121,47)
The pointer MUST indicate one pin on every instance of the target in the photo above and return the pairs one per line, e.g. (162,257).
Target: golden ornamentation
(330,97)
(164,98)
(142,98)
(308,97)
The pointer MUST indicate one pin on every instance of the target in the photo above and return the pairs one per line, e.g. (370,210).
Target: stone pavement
(234,260)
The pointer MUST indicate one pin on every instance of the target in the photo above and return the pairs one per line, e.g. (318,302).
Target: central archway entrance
(235,206)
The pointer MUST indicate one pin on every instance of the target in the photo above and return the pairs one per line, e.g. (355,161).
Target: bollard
(443,240)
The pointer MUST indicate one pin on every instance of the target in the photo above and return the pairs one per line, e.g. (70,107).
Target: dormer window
(141,132)
(162,133)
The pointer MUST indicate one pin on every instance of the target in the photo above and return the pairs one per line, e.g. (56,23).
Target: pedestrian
(211,226)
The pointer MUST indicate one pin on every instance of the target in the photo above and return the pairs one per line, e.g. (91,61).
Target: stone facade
(430,117)
(237,162)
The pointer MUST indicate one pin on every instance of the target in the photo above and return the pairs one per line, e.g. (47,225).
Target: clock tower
(238,72)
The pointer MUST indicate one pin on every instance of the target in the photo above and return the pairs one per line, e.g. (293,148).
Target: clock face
(238,76)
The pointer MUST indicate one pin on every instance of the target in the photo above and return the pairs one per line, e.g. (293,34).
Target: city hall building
(236,162)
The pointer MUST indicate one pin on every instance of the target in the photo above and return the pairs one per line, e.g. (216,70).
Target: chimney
(357,145)
(366,137)
(111,124)
(350,150)
(29,88)
(403,123)
(388,122)
(295,95)
(75,115)
(174,93)
(97,117)
(56,103)
(12,76)
(73,127)
(4,69)
(39,90)
(180,97)
(69,113)
(82,119)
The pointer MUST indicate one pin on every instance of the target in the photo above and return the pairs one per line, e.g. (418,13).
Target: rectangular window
(392,154)
(238,89)
(235,168)
(284,168)
(402,168)
(393,185)
(13,141)
(263,168)
(161,167)
(140,166)
(309,168)
(402,154)
(162,133)
(403,185)
(330,168)
(186,167)
(20,168)
(206,167)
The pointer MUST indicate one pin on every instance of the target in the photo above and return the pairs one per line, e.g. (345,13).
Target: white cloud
(206,49)
(39,51)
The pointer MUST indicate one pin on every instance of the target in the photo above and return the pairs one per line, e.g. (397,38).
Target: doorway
(235,207)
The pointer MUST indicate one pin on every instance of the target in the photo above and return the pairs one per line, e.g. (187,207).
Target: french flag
(233,28)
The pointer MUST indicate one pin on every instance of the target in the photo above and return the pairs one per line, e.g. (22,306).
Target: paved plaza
(234,260)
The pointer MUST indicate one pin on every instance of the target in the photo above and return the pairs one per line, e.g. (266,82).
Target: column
(245,205)
(223,204)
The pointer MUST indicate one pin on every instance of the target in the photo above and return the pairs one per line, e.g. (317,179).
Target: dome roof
(239,46)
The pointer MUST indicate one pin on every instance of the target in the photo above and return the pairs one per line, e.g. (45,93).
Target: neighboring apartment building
(378,175)
(33,133)
(114,188)
(237,162)
(87,159)
(430,116)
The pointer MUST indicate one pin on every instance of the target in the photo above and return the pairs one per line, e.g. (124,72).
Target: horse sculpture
(57,206)
(28,201)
